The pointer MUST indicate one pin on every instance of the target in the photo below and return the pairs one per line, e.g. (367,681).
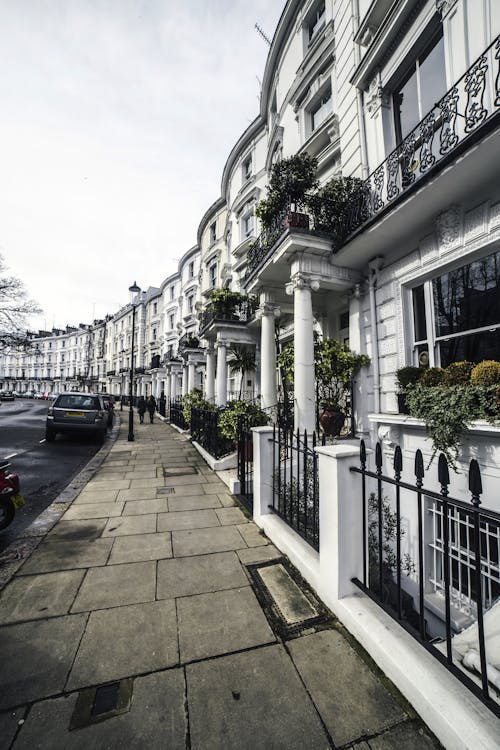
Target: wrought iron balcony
(155,362)
(239,314)
(111,372)
(188,341)
(467,112)
(140,370)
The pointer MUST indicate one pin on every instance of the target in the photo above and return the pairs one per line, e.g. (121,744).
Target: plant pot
(402,405)
(331,421)
(296,219)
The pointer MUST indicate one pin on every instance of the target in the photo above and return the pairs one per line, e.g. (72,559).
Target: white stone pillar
(210,375)
(184,379)
(168,385)
(262,472)
(268,356)
(221,381)
(191,375)
(304,378)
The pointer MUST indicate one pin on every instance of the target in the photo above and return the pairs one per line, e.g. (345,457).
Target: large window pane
(474,348)
(469,297)
(406,107)
(432,72)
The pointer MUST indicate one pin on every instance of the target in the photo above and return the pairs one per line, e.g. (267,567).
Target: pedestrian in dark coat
(151,407)
(141,408)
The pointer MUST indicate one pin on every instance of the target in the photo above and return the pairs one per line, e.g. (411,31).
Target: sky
(117,117)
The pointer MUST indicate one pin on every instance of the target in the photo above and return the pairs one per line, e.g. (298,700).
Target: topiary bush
(486,373)
(407,376)
(432,376)
(228,420)
(458,373)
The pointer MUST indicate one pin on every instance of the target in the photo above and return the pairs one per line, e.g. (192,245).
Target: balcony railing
(111,372)
(239,314)
(467,110)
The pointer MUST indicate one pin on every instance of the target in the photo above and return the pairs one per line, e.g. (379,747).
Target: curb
(16,553)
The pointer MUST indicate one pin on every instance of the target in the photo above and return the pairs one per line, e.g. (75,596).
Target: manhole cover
(165,491)
(179,471)
(289,603)
(100,703)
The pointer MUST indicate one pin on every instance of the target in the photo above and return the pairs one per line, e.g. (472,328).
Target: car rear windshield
(71,401)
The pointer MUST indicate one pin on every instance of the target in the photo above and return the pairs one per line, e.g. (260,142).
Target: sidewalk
(144,584)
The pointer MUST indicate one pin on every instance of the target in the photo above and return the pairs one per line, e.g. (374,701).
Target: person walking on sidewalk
(141,408)
(151,407)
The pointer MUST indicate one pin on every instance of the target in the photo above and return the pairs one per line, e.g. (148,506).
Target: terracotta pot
(296,219)
(331,421)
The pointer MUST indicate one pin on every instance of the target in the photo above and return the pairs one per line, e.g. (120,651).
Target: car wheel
(50,436)
(7,513)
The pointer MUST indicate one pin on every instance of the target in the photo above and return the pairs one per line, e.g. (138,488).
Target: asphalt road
(44,469)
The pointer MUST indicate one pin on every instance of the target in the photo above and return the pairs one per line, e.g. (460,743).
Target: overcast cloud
(117,119)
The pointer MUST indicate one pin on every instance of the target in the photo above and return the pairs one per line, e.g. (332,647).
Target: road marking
(41,441)
(6,458)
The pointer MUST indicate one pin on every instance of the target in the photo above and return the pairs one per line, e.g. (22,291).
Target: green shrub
(486,373)
(195,398)
(458,373)
(407,376)
(432,376)
(228,420)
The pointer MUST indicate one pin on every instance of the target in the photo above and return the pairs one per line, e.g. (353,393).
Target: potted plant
(448,403)
(335,367)
(406,377)
(289,183)
(242,360)
(335,205)
(224,302)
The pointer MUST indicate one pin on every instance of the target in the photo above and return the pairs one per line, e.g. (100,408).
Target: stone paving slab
(126,641)
(140,484)
(145,493)
(186,576)
(67,555)
(156,719)
(93,510)
(142,473)
(115,585)
(189,490)
(252,700)
(214,488)
(232,621)
(90,496)
(108,484)
(141,547)
(204,541)
(252,535)
(141,507)
(9,726)
(366,708)
(35,657)
(39,596)
(192,502)
(408,735)
(193,479)
(187,519)
(88,529)
(256,555)
(128,525)
(227,501)
(230,516)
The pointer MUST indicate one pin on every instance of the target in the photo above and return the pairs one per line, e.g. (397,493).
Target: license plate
(17,500)
(74,414)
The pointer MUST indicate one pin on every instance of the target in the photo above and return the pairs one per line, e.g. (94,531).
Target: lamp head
(134,290)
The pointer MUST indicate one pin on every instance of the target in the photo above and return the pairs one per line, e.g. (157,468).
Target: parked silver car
(76,413)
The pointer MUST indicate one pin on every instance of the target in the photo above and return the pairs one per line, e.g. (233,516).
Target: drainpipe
(375,265)
(359,97)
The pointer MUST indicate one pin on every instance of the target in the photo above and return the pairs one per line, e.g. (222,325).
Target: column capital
(444,6)
(301,280)
(267,308)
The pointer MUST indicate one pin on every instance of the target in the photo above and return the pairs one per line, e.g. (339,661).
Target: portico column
(184,379)
(191,375)
(210,376)
(268,355)
(168,386)
(221,381)
(303,340)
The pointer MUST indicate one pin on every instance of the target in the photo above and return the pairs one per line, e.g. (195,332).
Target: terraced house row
(392,247)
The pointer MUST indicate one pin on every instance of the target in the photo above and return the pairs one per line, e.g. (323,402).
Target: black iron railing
(296,482)
(245,461)
(237,314)
(452,557)
(109,373)
(177,414)
(205,431)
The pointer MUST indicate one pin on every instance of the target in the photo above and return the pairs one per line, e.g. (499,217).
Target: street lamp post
(134,291)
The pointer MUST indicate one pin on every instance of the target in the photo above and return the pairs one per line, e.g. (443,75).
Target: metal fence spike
(419,464)
(443,471)
(362,453)
(378,456)
(475,483)
(398,460)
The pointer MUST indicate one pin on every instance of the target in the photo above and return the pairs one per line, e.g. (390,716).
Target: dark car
(77,413)
(109,405)
(7,396)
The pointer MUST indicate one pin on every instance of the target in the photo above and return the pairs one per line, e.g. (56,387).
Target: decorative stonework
(267,308)
(389,435)
(444,6)
(376,97)
(301,281)
(495,215)
(428,249)
(475,222)
(448,226)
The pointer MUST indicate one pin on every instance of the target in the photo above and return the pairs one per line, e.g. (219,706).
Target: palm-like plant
(242,361)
